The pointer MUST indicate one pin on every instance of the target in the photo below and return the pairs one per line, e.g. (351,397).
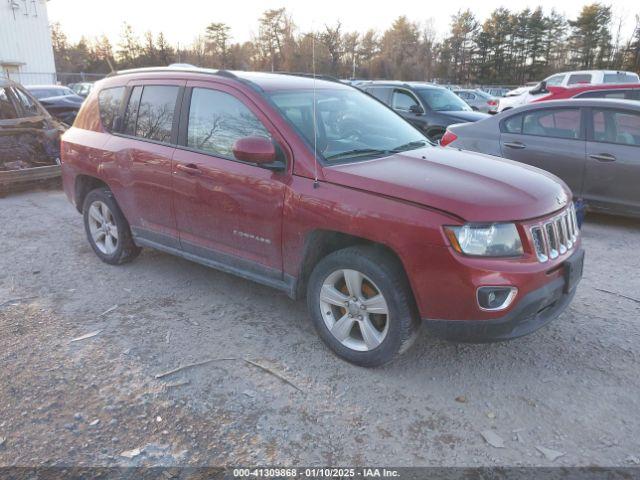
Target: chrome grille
(555,236)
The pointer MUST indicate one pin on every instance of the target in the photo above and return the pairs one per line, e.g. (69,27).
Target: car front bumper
(533,311)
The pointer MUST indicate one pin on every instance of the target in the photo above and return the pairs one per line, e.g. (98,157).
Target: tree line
(508,48)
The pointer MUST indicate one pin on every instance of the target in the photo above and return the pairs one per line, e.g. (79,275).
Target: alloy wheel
(354,310)
(103,228)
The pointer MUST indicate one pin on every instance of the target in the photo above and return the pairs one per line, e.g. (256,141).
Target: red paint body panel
(562,93)
(205,203)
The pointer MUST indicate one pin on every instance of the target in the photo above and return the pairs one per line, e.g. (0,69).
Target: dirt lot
(573,387)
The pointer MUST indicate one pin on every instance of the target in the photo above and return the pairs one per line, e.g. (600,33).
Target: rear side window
(217,120)
(110,100)
(579,78)
(155,113)
(616,126)
(620,77)
(7,108)
(513,124)
(557,123)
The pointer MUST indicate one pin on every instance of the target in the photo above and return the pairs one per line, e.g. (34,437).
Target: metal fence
(51,78)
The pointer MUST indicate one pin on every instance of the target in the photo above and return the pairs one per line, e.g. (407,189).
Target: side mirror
(540,88)
(417,109)
(257,150)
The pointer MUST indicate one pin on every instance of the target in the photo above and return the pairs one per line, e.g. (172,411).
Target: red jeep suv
(316,188)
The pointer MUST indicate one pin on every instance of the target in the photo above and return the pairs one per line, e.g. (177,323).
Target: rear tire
(361,305)
(107,230)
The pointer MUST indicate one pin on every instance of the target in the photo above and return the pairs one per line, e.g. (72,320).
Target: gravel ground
(573,387)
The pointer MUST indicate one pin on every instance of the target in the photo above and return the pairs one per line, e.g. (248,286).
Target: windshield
(442,100)
(350,124)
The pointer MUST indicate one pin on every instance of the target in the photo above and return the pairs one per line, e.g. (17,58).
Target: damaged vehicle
(60,101)
(29,137)
(317,189)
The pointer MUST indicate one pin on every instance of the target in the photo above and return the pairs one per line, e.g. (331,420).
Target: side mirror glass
(417,109)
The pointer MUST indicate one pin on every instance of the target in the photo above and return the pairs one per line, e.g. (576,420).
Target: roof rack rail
(174,68)
(328,78)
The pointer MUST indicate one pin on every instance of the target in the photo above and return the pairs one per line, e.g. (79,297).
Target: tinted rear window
(110,100)
(150,112)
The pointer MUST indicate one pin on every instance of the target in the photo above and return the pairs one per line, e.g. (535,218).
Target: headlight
(493,240)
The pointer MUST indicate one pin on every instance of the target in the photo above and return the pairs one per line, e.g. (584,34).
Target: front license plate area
(573,271)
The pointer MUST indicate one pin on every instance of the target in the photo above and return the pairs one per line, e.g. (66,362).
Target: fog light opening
(492,299)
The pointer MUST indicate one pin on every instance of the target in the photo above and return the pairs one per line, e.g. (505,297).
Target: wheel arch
(320,243)
(83,185)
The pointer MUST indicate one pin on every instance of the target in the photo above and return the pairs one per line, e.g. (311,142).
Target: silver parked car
(478,100)
(593,145)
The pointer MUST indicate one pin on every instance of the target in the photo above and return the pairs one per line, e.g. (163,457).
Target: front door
(228,211)
(406,104)
(613,160)
(550,139)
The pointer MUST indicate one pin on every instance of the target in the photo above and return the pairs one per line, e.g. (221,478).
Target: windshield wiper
(411,146)
(357,152)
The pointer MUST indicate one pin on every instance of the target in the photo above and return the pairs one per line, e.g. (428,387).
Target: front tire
(107,230)
(361,305)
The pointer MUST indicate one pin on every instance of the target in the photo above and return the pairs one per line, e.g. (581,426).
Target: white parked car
(527,94)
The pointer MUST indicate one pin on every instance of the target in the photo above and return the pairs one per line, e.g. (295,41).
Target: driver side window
(217,120)
(555,80)
(403,100)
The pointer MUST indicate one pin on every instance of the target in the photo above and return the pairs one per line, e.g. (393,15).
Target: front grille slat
(556,236)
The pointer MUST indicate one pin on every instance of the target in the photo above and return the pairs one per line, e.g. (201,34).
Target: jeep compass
(316,189)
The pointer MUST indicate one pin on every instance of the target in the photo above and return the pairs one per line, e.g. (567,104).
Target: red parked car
(379,229)
(621,91)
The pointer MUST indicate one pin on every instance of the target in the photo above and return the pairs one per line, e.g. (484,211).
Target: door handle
(188,168)
(516,145)
(603,157)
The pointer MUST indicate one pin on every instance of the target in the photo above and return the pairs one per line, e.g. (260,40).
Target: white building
(26,54)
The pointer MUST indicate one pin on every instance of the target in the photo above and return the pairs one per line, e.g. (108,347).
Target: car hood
(472,186)
(465,116)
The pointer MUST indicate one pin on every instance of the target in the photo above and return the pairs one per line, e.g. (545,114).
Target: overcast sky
(182,20)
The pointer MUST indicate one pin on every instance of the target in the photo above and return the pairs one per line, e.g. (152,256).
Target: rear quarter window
(110,101)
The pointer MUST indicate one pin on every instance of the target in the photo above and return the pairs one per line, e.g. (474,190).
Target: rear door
(552,139)
(143,149)
(613,160)
(228,211)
